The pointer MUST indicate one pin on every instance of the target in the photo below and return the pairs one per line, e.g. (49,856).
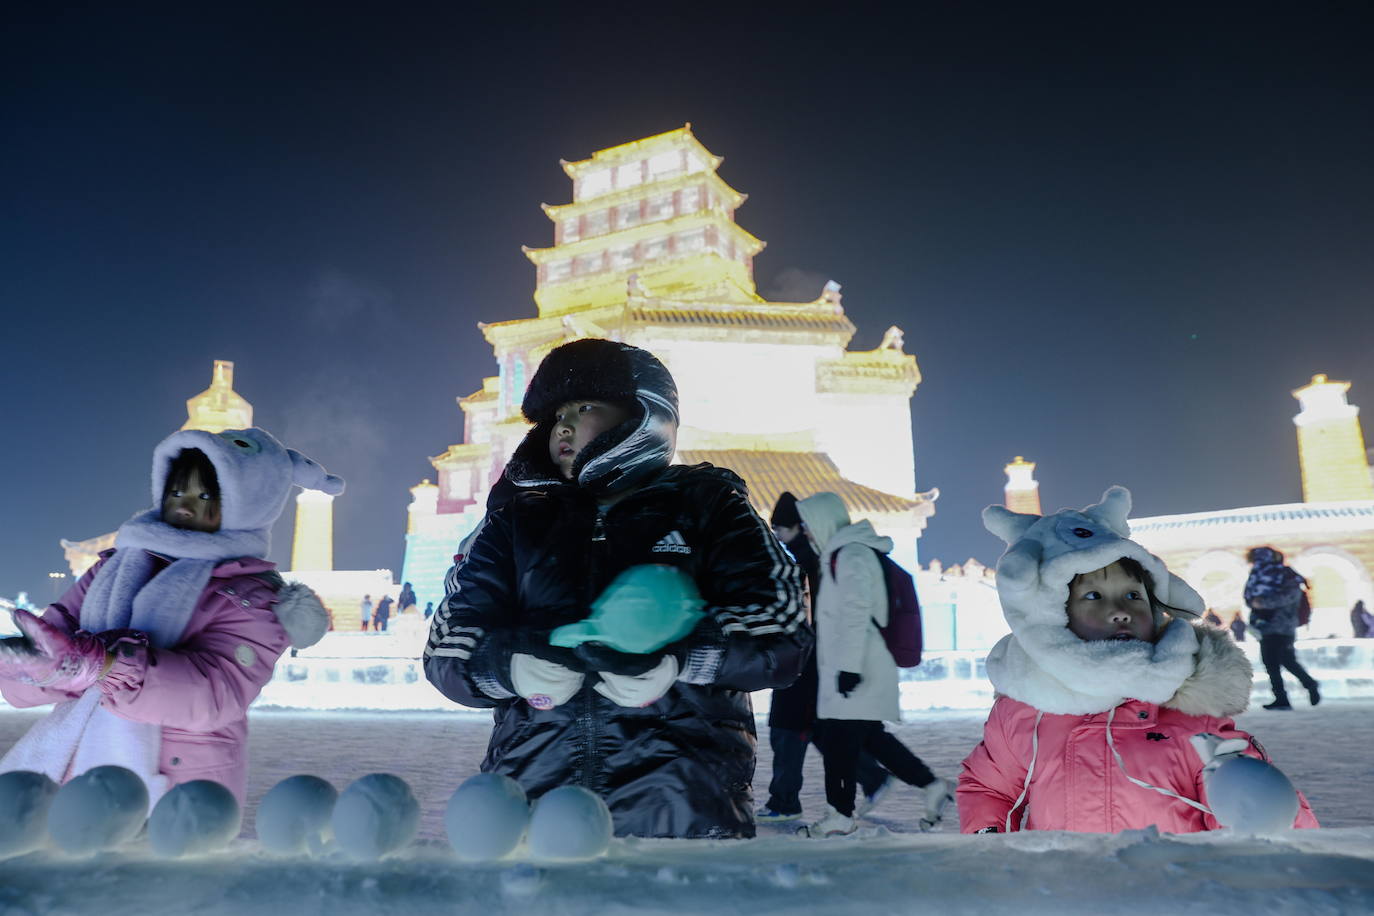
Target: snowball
(376,815)
(570,823)
(24,801)
(486,817)
(293,817)
(1251,796)
(194,818)
(99,809)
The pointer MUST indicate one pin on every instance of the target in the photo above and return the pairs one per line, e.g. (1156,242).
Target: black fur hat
(600,370)
(595,370)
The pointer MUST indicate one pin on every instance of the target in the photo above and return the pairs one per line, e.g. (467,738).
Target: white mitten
(1215,750)
(1244,793)
(641,689)
(543,684)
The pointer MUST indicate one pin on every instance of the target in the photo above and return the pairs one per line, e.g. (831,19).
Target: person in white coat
(858,677)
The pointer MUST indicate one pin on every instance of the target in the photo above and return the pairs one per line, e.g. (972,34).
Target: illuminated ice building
(648,252)
(1328,537)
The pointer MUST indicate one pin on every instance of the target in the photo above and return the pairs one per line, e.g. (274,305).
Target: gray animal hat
(1041,662)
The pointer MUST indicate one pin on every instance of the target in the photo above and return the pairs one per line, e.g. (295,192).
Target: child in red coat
(1110,705)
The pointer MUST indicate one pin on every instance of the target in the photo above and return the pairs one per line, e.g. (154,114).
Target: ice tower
(1022,492)
(1331,444)
(648,252)
(1328,537)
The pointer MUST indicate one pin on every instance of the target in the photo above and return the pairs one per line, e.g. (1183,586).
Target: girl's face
(577,423)
(1110,603)
(189,505)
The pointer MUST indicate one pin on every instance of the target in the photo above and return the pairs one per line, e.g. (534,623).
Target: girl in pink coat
(1109,706)
(154,655)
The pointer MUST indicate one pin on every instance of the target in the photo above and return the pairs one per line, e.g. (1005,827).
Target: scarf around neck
(129,592)
(1056,672)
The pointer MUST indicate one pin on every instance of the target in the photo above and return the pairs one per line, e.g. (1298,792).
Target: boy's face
(189,505)
(577,423)
(1109,603)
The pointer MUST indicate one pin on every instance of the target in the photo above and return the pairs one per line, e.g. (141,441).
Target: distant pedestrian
(1274,591)
(792,713)
(429,609)
(1361,621)
(406,602)
(382,614)
(857,674)
(367,612)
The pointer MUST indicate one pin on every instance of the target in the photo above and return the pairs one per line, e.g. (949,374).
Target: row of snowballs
(487,818)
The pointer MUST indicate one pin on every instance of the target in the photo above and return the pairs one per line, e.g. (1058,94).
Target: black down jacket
(682,766)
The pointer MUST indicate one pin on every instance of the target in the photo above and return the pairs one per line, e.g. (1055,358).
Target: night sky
(1117,236)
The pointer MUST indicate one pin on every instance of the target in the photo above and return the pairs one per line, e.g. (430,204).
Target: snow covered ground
(888,868)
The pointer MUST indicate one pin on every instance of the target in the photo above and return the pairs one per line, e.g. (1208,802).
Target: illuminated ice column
(1331,444)
(312,548)
(1022,490)
(424,503)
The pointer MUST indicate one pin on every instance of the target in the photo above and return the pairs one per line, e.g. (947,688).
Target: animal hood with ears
(1042,662)
(1044,553)
(255,471)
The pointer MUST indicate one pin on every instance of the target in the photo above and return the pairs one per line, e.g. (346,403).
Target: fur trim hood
(1042,662)
(1194,668)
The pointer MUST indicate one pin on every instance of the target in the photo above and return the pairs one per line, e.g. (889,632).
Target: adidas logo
(672,542)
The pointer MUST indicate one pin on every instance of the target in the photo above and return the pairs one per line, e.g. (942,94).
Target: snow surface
(888,867)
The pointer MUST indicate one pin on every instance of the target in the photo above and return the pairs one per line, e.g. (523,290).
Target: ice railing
(384,671)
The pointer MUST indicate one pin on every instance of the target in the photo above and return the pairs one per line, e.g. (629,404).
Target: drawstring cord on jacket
(1030,770)
(1035,751)
(1140,782)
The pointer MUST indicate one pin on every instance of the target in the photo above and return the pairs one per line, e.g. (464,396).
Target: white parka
(850,600)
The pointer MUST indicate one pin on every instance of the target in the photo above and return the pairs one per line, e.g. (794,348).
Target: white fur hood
(1194,668)
(301,614)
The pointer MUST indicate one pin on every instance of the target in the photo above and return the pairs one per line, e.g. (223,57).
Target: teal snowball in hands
(643,610)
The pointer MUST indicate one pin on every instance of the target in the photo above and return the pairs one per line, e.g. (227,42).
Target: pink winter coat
(200,690)
(1077,784)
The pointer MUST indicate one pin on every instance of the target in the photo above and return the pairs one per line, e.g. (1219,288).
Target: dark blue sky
(1116,235)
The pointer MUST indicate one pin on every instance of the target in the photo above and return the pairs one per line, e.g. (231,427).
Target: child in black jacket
(665,737)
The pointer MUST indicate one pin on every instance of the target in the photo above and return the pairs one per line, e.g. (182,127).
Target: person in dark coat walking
(382,614)
(1361,621)
(1274,591)
(665,737)
(792,715)
(1237,627)
(406,601)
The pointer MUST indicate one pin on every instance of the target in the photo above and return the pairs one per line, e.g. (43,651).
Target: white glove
(641,689)
(543,684)
(1215,750)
